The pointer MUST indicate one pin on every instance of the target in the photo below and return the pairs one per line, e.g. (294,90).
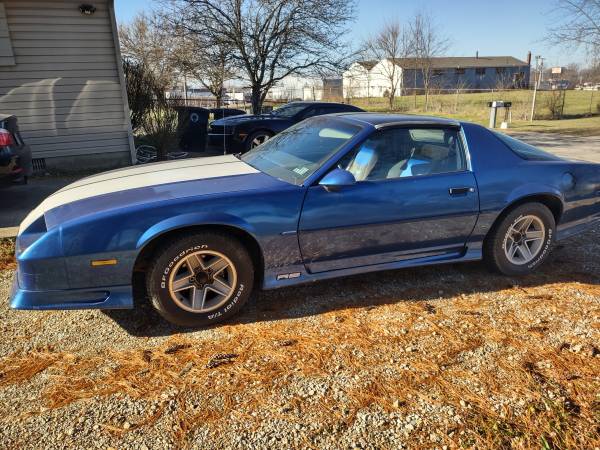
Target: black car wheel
(522,240)
(257,138)
(200,279)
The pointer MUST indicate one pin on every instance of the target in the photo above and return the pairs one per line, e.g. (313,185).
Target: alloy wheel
(524,240)
(259,139)
(202,281)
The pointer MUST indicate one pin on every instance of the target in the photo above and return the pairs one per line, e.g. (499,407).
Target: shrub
(142,91)
(554,103)
(159,123)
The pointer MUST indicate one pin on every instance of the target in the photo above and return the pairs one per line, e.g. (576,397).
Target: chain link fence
(468,104)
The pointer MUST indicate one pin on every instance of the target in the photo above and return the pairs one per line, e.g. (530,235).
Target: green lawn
(581,114)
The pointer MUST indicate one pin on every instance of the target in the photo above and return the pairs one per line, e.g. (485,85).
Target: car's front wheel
(257,138)
(521,242)
(200,279)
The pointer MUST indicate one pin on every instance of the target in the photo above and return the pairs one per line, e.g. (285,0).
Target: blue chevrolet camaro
(331,196)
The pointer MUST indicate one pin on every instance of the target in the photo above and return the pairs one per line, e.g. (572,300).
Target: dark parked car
(15,155)
(241,133)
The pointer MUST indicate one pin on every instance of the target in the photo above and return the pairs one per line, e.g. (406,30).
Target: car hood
(148,183)
(247,118)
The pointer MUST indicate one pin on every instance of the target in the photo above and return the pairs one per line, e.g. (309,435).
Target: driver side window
(406,152)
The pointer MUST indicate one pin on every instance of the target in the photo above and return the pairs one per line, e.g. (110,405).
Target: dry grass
(548,393)
(578,119)
(7,254)
(506,363)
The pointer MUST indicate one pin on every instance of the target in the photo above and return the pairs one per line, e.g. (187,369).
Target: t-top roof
(378,119)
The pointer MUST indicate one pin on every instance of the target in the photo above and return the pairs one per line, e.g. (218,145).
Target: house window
(7,57)
(459,71)
(438,72)
(480,71)
(499,70)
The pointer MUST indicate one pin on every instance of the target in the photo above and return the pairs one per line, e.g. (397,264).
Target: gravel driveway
(586,148)
(437,357)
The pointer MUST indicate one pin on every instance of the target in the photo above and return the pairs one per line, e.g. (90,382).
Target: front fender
(193,219)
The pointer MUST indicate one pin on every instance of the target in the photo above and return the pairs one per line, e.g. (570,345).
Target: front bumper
(111,297)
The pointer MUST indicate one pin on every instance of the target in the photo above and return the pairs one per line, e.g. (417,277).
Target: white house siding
(295,87)
(356,81)
(380,79)
(66,86)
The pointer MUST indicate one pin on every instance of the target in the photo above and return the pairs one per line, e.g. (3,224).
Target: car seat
(363,163)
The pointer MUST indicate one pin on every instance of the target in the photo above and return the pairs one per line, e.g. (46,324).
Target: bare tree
(573,74)
(207,62)
(579,24)
(427,43)
(592,73)
(270,39)
(554,100)
(388,46)
(148,44)
(504,80)
(461,85)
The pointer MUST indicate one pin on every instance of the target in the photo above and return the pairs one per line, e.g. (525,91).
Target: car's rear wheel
(200,279)
(257,138)
(522,240)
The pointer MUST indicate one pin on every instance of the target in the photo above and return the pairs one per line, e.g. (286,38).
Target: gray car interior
(395,154)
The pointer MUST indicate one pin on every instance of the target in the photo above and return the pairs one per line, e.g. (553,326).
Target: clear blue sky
(506,27)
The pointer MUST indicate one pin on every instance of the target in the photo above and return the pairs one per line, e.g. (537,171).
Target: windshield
(299,151)
(289,110)
(524,150)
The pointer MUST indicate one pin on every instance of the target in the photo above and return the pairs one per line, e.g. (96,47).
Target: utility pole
(539,68)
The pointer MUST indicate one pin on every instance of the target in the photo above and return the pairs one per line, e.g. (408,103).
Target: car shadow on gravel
(575,260)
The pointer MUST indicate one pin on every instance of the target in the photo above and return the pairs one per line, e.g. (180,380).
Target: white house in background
(371,79)
(356,81)
(294,87)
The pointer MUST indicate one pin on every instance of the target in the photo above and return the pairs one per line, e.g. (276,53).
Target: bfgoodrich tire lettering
(200,296)
(521,242)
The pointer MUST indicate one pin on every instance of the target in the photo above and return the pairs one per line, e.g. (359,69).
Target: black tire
(494,246)
(250,139)
(167,258)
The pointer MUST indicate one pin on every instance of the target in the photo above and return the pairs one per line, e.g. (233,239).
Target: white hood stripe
(134,178)
(151,168)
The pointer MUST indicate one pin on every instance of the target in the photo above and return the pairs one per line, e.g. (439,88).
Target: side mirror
(336,179)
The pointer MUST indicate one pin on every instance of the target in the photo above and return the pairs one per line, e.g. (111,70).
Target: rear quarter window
(525,151)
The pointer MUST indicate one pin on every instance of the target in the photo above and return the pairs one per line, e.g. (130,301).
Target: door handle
(460,190)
